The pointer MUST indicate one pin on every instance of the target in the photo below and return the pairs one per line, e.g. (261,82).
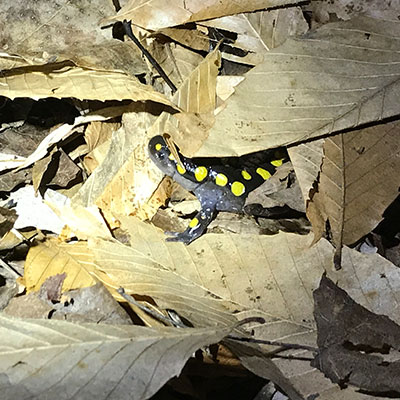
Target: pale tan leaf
(340,76)
(342,9)
(126,179)
(197,98)
(306,159)
(45,359)
(82,222)
(33,212)
(10,161)
(273,277)
(357,183)
(226,85)
(177,62)
(118,265)
(52,258)
(98,138)
(157,14)
(72,81)
(192,38)
(260,31)
(64,131)
(41,32)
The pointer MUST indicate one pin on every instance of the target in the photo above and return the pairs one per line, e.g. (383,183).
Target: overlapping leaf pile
(76,194)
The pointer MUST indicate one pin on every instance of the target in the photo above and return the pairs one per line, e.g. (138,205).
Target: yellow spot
(246,175)
(158,146)
(180,169)
(277,163)
(264,173)
(221,180)
(237,188)
(193,223)
(171,157)
(200,173)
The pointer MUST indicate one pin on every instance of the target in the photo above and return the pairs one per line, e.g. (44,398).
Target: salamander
(217,187)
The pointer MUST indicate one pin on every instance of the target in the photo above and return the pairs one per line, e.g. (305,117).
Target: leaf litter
(76,172)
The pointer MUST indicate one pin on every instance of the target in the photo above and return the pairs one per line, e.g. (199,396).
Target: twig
(148,310)
(274,343)
(154,63)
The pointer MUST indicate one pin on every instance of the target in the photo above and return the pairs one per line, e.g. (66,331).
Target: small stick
(154,63)
(275,343)
(148,310)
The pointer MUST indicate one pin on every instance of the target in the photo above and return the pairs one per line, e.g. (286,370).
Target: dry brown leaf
(260,31)
(357,183)
(98,138)
(70,81)
(342,9)
(157,14)
(342,75)
(177,62)
(39,168)
(51,258)
(124,182)
(41,32)
(192,38)
(57,359)
(306,159)
(118,265)
(197,98)
(81,222)
(273,277)
(64,131)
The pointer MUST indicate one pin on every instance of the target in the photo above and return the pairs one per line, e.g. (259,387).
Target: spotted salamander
(217,187)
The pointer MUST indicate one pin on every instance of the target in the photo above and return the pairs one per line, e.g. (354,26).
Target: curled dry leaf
(68,80)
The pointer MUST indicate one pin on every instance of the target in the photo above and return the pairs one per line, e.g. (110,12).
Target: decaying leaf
(357,183)
(356,346)
(52,258)
(340,76)
(81,222)
(56,359)
(40,32)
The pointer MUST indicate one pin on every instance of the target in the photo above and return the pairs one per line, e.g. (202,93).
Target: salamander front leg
(196,227)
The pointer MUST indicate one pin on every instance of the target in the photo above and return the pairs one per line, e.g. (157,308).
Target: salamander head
(160,155)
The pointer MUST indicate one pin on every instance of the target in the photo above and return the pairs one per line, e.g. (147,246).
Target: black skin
(212,197)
